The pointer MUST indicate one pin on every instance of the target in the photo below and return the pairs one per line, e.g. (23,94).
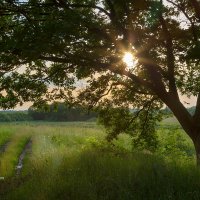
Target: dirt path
(26,149)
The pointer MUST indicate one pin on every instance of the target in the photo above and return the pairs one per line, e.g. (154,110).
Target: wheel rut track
(27,148)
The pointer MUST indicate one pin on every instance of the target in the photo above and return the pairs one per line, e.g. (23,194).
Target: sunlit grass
(73,161)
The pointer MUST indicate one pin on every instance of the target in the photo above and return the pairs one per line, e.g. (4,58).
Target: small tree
(61,42)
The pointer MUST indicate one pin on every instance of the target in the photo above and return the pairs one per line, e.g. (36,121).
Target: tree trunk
(181,113)
(187,121)
(196,142)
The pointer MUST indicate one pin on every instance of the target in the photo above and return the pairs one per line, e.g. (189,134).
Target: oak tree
(129,54)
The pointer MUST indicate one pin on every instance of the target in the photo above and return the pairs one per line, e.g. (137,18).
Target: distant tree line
(60,112)
(14,116)
(168,112)
(54,112)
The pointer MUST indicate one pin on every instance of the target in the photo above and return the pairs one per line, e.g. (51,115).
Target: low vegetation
(73,161)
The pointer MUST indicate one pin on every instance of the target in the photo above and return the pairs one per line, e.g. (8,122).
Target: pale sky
(188,102)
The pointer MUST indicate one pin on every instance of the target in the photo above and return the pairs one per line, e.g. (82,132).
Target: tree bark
(180,112)
(196,142)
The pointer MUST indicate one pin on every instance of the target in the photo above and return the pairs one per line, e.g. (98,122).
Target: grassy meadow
(72,161)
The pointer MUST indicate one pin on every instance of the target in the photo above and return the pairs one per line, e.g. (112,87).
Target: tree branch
(196,116)
(196,6)
(170,56)
(194,31)
(90,6)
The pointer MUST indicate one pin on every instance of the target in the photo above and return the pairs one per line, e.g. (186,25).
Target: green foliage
(193,52)
(154,13)
(173,143)
(61,43)
(139,124)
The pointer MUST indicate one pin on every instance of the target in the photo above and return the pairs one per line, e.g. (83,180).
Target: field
(57,161)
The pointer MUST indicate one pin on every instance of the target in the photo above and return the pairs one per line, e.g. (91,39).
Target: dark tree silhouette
(61,42)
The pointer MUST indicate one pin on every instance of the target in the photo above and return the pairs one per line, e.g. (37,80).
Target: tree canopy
(49,45)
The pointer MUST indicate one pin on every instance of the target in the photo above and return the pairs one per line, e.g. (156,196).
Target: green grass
(103,175)
(9,159)
(170,121)
(73,161)
(5,135)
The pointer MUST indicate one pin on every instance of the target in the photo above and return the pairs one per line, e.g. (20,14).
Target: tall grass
(98,175)
(5,135)
(73,161)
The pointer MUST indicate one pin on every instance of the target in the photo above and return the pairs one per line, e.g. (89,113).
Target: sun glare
(129,59)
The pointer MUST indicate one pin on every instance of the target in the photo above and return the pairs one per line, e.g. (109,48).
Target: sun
(128,59)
